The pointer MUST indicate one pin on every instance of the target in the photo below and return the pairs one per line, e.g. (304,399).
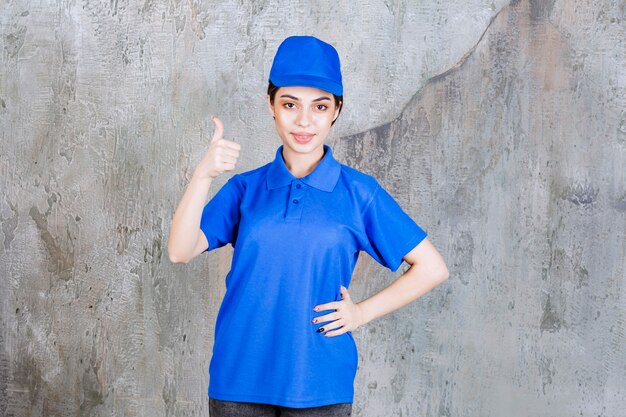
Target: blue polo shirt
(296,241)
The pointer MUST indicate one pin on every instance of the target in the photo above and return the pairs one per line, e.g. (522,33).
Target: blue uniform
(296,241)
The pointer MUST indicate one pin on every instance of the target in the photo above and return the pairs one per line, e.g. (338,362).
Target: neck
(302,164)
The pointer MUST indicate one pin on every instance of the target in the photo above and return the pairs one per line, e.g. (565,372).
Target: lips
(302,137)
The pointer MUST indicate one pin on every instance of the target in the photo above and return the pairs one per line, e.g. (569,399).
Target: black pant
(219,408)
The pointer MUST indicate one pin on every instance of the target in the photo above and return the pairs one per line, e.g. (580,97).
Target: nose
(304,118)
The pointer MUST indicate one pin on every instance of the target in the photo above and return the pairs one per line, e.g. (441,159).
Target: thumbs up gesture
(221,156)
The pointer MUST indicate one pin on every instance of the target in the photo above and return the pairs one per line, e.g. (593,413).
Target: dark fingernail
(320,330)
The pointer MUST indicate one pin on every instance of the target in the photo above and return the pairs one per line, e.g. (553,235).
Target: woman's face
(303,118)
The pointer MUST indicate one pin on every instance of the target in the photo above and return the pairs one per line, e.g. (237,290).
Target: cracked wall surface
(500,127)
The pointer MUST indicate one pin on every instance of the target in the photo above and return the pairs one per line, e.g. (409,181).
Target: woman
(283,342)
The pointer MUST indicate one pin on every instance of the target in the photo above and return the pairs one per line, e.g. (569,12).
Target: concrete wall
(501,128)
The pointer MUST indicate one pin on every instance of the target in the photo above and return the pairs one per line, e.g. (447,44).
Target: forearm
(411,285)
(186,221)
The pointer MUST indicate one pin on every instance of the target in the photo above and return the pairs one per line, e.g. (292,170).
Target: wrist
(363,318)
(204,181)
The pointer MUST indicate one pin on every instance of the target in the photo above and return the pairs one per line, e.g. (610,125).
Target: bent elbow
(177,258)
(444,274)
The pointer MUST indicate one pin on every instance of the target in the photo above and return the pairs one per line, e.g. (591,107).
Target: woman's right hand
(221,156)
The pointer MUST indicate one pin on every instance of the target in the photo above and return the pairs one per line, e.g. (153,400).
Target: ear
(270,106)
(337,111)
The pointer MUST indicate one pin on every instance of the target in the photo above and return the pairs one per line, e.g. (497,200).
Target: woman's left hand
(346,317)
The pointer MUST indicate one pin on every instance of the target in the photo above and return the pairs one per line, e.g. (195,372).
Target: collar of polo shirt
(324,177)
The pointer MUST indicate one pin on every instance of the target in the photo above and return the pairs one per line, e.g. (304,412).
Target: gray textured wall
(501,128)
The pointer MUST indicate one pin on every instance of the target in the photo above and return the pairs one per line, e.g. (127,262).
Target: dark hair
(272,89)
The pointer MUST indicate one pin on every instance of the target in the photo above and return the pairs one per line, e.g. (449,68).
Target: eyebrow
(297,99)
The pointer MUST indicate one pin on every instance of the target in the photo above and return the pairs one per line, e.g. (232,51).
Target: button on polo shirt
(296,241)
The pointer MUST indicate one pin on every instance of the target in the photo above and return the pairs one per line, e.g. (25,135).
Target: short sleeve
(220,216)
(391,233)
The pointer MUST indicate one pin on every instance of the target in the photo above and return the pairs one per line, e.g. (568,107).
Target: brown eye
(321,107)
